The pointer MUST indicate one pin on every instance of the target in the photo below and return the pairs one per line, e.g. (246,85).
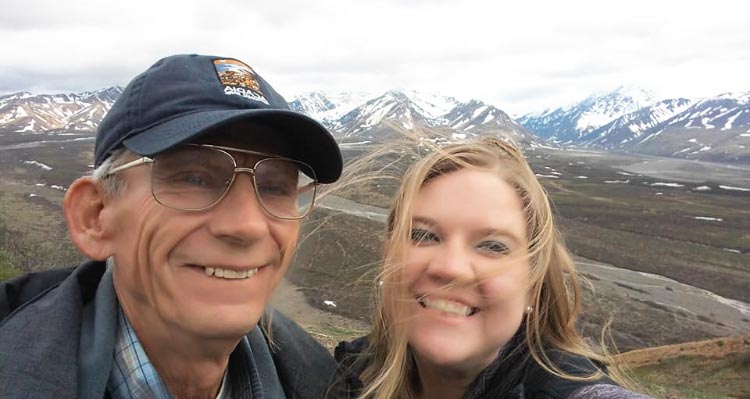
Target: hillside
(717,368)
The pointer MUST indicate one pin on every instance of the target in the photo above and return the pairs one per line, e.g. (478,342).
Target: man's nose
(239,216)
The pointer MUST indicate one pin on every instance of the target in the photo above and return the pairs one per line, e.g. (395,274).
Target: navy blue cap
(184,96)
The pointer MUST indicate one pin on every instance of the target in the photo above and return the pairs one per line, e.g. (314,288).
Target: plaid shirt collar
(133,375)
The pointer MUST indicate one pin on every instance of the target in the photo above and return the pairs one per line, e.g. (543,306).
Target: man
(191,219)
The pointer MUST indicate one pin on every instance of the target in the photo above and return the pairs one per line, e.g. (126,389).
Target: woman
(478,295)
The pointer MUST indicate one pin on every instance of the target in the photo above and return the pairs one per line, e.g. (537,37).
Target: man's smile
(230,273)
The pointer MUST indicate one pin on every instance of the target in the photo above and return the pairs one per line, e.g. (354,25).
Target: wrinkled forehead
(249,136)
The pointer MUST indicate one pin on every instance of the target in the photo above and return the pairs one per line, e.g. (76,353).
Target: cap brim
(308,140)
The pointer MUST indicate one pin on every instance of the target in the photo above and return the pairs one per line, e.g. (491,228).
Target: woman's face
(466,273)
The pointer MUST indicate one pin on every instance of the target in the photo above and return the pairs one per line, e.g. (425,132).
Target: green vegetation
(335,332)
(33,235)
(7,270)
(20,254)
(330,335)
(698,377)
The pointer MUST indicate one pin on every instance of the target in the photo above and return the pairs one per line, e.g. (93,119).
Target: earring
(529,309)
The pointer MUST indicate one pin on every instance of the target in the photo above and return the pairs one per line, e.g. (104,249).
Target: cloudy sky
(521,56)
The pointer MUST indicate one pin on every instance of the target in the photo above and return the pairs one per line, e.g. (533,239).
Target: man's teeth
(446,306)
(230,274)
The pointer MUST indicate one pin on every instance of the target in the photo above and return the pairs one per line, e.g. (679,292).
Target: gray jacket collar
(40,341)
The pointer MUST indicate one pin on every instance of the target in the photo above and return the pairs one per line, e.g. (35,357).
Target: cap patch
(239,79)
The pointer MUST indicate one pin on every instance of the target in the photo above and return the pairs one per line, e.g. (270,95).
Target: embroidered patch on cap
(239,79)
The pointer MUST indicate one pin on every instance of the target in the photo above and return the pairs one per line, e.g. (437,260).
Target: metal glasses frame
(251,171)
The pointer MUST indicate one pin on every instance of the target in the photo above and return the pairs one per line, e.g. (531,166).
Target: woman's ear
(83,206)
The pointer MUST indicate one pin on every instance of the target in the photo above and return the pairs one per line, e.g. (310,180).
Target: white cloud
(519,56)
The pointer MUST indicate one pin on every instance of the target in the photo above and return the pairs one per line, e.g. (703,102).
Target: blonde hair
(554,289)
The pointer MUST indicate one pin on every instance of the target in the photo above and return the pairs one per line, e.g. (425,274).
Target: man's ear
(83,206)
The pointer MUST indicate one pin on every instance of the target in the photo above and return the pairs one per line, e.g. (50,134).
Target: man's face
(161,255)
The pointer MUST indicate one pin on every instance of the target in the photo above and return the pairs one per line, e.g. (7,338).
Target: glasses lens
(191,177)
(285,188)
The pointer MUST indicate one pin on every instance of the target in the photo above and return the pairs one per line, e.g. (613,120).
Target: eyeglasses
(195,177)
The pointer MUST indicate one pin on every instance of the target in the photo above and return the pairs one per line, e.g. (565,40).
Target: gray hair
(113,184)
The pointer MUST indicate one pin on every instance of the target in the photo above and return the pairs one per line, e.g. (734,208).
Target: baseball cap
(182,97)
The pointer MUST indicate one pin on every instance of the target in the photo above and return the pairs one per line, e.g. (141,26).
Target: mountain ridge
(624,119)
(712,129)
(79,112)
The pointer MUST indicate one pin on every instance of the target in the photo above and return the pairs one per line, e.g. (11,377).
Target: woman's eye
(421,235)
(495,247)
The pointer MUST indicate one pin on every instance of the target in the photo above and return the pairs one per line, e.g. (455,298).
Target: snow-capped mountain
(629,127)
(406,110)
(381,117)
(476,118)
(24,112)
(723,112)
(569,124)
(351,116)
(716,128)
(474,113)
(328,108)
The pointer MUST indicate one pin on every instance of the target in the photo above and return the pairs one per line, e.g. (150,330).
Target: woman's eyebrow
(423,220)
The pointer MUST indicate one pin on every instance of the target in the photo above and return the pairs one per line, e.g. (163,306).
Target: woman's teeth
(230,274)
(446,306)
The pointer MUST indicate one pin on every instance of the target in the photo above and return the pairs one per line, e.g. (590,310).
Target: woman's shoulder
(352,358)
(540,383)
(605,391)
(348,350)
(572,364)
